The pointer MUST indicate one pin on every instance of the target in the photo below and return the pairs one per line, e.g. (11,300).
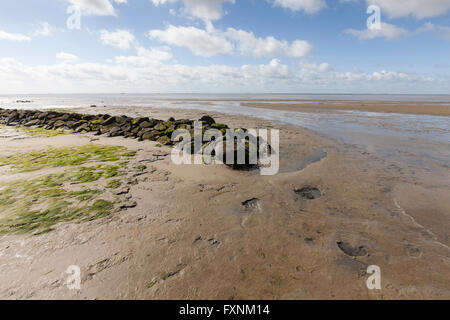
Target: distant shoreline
(369,106)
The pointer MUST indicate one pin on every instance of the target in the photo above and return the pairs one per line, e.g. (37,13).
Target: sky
(224,46)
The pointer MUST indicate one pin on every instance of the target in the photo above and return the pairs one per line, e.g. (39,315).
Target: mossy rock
(161,128)
(147,124)
(165,140)
(78,123)
(152,135)
(183,127)
(169,131)
(219,126)
(137,121)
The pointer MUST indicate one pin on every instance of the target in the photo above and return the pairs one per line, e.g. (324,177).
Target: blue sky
(302,46)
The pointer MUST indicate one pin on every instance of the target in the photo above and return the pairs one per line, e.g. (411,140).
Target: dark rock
(137,121)
(115,132)
(253,203)
(83,128)
(59,124)
(121,119)
(151,135)
(32,123)
(208,120)
(78,123)
(108,121)
(150,123)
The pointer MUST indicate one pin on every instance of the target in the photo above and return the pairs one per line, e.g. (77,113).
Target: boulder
(108,121)
(150,123)
(165,140)
(137,121)
(115,132)
(153,136)
(208,120)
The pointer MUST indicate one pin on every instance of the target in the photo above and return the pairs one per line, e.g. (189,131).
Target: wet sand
(191,237)
(369,106)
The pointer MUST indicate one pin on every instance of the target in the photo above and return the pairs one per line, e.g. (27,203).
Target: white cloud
(44,29)
(13,36)
(274,70)
(322,67)
(199,41)
(417,8)
(157,76)
(269,46)
(96,7)
(441,31)
(309,6)
(212,9)
(393,8)
(121,39)
(68,57)
(388,31)
(146,57)
(203,9)
(325,67)
(211,42)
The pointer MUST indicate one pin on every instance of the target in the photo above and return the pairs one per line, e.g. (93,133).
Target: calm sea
(142,100)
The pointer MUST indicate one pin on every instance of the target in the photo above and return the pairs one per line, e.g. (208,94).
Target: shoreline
(368,106)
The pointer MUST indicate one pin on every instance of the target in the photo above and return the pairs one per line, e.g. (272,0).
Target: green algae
(36,206)
(65,157)
(113,184)
(43,132)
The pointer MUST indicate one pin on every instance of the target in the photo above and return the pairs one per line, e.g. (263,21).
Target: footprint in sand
(351,250)
(308,193)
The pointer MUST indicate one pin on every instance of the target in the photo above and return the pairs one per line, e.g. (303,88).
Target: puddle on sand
(296,161)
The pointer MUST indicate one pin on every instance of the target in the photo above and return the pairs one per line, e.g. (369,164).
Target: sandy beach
(208,232)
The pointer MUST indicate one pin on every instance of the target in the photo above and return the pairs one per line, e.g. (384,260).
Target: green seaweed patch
(65,157)
(86,175)
(113,184)
(112,171)
(37,206)
(91,174)
(101,208)
(43,132)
